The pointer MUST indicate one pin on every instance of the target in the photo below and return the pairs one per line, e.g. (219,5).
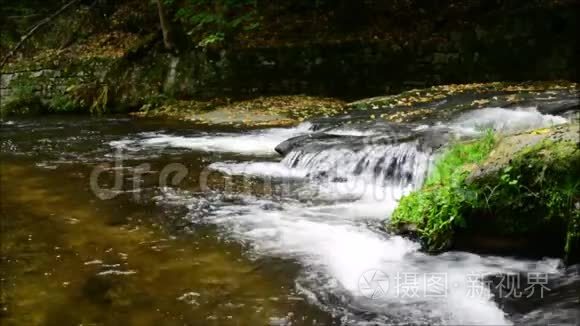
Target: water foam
(256,142)
(504,120)
(336,248)
(334,234)
(334,242)
(262,169)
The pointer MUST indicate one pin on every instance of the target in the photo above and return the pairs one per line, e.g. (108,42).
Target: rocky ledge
(261,111)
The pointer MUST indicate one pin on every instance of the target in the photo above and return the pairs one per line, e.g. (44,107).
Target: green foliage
(24,99)
(537,192)
(438,208)
(63,103)
(212,21)
(540,190)
(449,166)
(572,247)
(100,102)
(542,179)
(68,101)
(212,39)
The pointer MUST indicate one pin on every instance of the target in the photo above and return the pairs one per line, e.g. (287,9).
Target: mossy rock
(523,197)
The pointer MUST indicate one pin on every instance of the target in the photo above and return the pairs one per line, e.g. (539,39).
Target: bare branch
(34,29)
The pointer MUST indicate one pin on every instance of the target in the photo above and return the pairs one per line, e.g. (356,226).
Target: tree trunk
(165,27)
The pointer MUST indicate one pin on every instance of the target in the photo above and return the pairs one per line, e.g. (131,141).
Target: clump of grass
(436,209)
(455,159)
(536,194)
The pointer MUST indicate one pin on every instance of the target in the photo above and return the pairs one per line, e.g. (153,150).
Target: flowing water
(121,221)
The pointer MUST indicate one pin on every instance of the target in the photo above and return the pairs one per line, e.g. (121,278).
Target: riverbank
(417,105)
(111,57)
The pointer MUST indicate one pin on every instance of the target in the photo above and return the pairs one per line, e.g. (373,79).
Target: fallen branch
(34,29)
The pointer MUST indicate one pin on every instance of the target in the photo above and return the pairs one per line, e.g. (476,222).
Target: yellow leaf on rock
(540,131)
(480,102)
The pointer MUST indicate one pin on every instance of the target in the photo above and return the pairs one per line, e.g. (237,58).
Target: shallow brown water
(70,258)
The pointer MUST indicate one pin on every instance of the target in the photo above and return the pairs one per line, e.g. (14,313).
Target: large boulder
(522,196)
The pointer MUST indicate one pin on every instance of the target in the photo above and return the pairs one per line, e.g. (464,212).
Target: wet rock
(559,107)
(409,230)
(288,145)
(512,145)
(521,294)
(352,136)
(96,289)
(495,244)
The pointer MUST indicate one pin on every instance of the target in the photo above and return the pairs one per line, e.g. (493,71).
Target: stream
(110,221)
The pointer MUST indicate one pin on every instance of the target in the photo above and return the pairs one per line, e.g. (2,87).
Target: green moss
(535,194)
(438,208)
(543,174)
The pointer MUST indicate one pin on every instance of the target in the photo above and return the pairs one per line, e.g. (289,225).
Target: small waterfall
(397,164)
